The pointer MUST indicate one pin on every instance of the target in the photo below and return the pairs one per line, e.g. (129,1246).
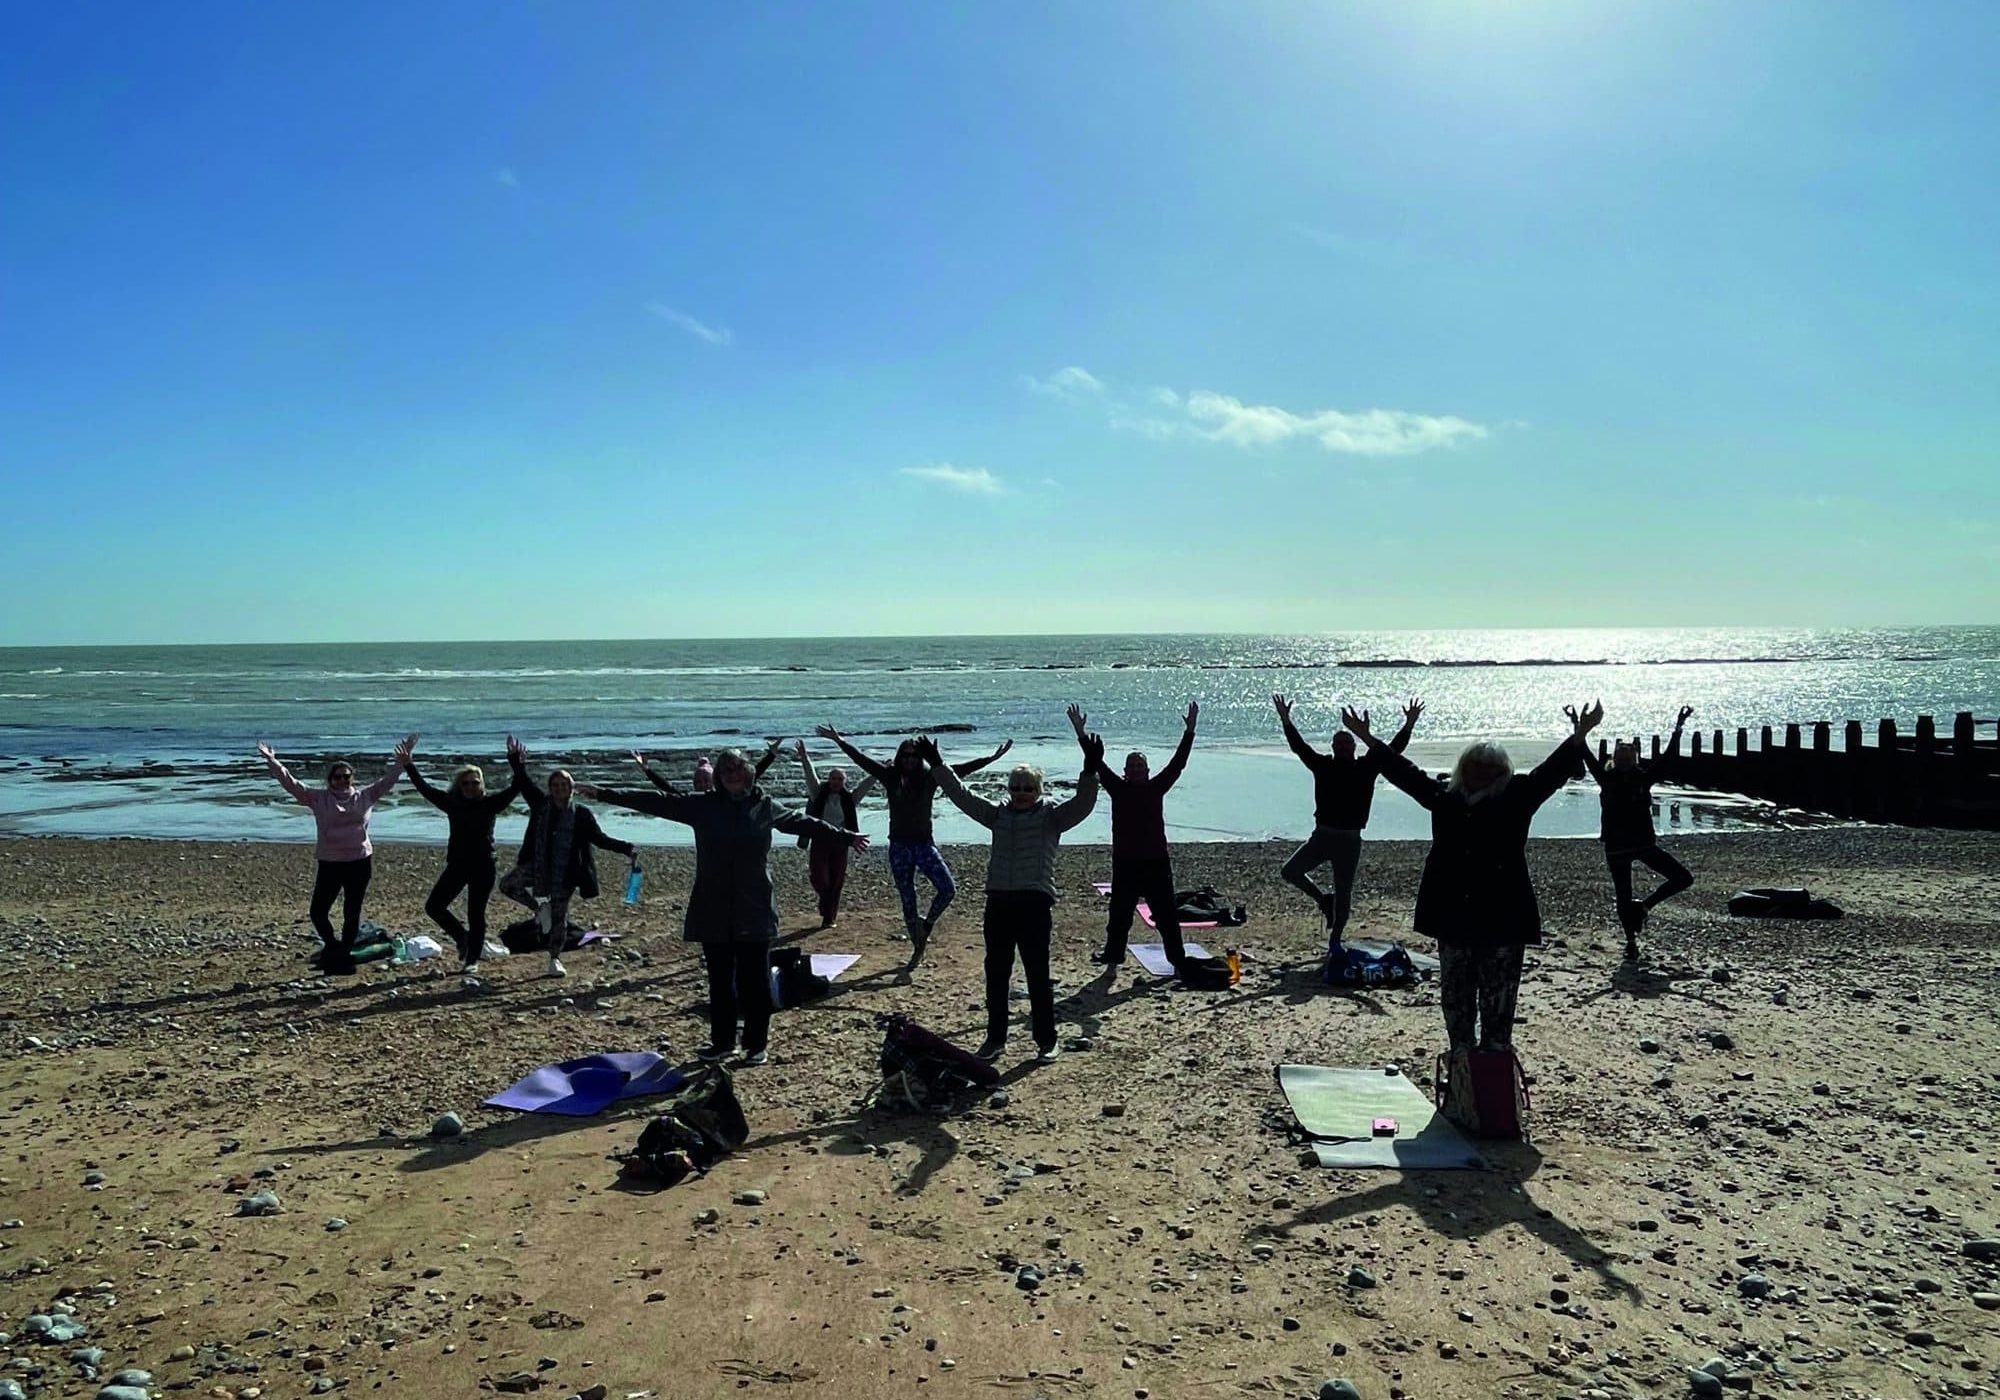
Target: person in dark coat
(1476,897)
(1142,865)
(732,911)
(1625,793)
(555,863)
(469,810)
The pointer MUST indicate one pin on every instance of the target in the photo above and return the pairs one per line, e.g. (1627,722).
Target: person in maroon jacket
(1141,865)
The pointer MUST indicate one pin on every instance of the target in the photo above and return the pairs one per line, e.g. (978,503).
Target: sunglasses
(1024,787)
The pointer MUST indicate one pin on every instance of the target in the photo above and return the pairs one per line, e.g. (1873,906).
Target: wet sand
(160,1028)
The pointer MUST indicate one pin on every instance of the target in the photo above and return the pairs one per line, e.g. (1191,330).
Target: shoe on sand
(1104,957)
(556,969)
(752,1058)
(711,1053)
(1046,1054)
(991,1050)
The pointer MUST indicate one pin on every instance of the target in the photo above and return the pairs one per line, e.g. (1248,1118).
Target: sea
(160,741)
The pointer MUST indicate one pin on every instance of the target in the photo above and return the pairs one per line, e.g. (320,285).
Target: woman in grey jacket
(1021,883)
(731,911)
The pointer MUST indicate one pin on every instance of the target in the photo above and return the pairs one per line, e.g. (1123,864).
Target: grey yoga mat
(1338,1108)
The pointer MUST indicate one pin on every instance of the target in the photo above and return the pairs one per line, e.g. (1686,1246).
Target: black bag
(797,982)
(1781,904)
(924,1071)
(702,1124)
(1208,905)
(1207,974)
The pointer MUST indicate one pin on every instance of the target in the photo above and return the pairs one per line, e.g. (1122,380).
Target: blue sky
(464,321)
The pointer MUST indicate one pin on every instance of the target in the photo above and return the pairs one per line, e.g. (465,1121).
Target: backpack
(1210,974)
(1781,904)
(1483,1092)
(925,1072)
(793,982)
(1207,905)
(702,1124)
(1355,967)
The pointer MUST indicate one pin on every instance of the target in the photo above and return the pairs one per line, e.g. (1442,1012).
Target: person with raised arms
(1343,792)
(732,911)
(1142,866)
(1625,796)
(469,811)
(556,862)
(911,788)
(704,770)
(1021,882)
(1476,896)
(831,801)
(346,857)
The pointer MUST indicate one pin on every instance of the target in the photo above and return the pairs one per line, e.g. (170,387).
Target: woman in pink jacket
(346,856)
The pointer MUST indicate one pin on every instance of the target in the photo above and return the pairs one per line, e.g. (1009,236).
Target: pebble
(1340,1388)
(707,1217)
(183,1352)
(1113,1110)
(11,1390)
(1291,1324)
(335,1225)
(1988,1301)
(1721,1040)
(1649,1046)
(53,1329)
(1028,1278)
(1754,1286)
(1358,1277)
(259,1203)
(1988,1248)
(1700,1382)
(750,1198)
(447,1125)
(133,1377)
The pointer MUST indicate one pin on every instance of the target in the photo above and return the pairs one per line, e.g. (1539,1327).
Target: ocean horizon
(159,740)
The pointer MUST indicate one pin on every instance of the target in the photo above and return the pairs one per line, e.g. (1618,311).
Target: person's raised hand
(640,759)
(1588,718)
(1283,707)
(799,748)
(827,732)
(514,749)
(1356,722)
(927,749)
(1687,713)
(1093,749)
(1001,752)
(265,749)
(1193,713)
(1413,711)
(1077,719)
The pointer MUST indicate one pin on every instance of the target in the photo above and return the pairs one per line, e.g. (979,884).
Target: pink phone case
(1385,1127)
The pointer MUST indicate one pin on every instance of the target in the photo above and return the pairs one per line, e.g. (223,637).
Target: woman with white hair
(1021,882)
(469,810)
(1476,897)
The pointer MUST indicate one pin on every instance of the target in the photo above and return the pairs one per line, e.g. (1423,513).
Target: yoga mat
(1422,962)
(1103,887)
(1338,1107)
(1153,957)
(580,1088)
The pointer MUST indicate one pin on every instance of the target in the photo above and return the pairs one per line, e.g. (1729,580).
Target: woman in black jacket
(555,863)
(469,810)
(1476,897)
(731,911)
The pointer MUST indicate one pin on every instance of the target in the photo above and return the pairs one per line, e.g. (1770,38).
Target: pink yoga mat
(1103,887)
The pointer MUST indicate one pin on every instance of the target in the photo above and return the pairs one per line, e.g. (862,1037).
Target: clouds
(1072,383)
(973,481)
(700,330)
(505,176)
(1163,414)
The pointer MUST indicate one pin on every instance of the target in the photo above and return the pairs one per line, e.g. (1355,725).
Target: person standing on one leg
(1021,884)
(346,856)
(469,810)
(1625,795)
(732,911)
(1142,867)
(910,789)
(556,863)
(1343,791)
(1476,897)
(826,859)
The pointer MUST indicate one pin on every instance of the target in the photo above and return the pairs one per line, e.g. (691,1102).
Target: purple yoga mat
(580,1088)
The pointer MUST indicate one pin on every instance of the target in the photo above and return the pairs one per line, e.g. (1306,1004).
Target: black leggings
(349,880)
(1674,876)
(739,983)
(1019,921)
(476,878)
(1150,878)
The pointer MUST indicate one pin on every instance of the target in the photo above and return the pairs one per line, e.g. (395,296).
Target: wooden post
(1964,757)
(1854,785)
(1821,780)
(1922,769)
(1792,768)
(1887,798)
(1767,766)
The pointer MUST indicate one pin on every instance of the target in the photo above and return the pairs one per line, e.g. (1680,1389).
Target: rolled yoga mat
(1338,1108)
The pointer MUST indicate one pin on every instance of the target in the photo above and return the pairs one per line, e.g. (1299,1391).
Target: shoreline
(163,1031)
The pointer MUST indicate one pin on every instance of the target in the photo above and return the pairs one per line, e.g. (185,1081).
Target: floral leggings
(906,858)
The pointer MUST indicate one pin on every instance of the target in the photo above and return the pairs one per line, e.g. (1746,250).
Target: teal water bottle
(635,881)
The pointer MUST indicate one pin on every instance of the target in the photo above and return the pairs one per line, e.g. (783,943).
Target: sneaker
(470,982)
(752,1058)
(471,969)
(712,1052)
(1631,950)
(1046,1054)
(991,1050)
(1104,957)
(556,969)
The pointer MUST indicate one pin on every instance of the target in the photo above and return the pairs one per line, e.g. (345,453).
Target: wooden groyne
(1916,779)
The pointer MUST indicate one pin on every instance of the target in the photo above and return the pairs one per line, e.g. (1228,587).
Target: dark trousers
(1020,921)
(1479,989)
(826,865)
(1674,876)
(739,984)
(1150,878)
(1341,850)
(349,880)
(476,878)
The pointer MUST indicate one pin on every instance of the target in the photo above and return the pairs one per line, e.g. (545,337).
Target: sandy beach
(1817,1110)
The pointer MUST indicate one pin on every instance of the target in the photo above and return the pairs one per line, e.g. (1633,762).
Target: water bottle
(635,880)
